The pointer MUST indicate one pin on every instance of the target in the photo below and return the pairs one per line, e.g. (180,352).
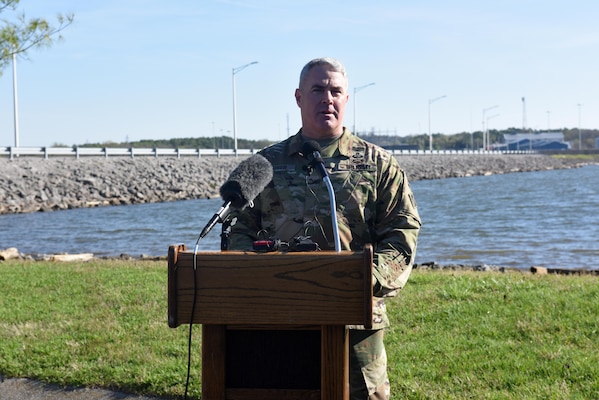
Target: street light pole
(485,139)
(579,134)
(15,98)
(235,71)
(356,90)
(488,118)
(430,134)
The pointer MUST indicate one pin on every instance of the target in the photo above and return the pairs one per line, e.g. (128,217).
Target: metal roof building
(534,141)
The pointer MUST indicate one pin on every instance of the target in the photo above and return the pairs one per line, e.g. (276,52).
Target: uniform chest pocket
(352,188)
(288,194)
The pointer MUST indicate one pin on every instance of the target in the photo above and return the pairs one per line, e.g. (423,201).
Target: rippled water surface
(547,218)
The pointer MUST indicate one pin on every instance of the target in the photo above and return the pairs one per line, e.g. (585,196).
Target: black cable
(193,306)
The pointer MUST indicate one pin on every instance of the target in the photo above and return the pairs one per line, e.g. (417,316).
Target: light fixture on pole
(235,71)
(430,135)
(485,144)
(356,90)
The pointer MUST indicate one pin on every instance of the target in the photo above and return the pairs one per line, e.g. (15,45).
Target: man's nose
(327,97)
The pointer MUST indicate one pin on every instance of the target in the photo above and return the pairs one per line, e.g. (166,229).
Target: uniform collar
(344,144)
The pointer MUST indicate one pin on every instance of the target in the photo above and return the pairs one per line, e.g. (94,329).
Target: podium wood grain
(270,293)
(322,288)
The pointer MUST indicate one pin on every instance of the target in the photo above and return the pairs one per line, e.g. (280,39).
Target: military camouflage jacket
(374,205)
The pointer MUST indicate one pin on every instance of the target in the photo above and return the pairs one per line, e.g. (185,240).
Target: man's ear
(298,95)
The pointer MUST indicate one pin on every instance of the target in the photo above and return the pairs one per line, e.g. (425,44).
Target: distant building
(533,141)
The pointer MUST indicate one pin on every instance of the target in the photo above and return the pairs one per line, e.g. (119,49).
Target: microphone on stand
(311,150)
(244,184)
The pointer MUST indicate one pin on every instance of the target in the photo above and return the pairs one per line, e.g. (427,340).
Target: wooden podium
(273,324)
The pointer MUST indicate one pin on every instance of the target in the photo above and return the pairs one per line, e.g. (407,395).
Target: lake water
(545,218)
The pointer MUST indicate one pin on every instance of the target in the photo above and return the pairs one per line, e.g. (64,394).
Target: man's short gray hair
(336,66)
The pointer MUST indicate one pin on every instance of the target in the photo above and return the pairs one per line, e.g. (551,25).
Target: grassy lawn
(455,335)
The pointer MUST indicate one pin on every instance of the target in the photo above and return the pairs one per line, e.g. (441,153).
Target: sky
(129,70)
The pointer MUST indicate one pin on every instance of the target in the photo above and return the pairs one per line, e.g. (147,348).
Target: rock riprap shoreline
(30,184)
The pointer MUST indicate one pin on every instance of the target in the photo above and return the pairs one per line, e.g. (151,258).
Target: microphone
(311,150)
(244,184)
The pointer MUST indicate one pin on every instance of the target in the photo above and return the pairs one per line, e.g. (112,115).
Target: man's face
(322,99)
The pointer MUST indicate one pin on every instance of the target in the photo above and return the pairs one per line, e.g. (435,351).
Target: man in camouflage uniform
(374,205)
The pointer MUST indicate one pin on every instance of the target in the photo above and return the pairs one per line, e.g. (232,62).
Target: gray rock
(31,184)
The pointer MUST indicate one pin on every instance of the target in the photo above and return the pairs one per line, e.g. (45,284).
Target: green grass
(581,157)
(496,336)
(101,324)
(454,335)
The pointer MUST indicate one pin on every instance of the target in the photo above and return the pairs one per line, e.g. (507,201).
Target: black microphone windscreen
(246,181)
(310,147)
(311,150)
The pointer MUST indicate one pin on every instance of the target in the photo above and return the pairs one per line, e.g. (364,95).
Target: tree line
(458,141)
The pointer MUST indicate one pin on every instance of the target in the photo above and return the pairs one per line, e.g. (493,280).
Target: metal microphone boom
(311,149)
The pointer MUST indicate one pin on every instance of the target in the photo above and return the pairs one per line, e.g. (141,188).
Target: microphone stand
(218,217)
(317,161)
(329,185)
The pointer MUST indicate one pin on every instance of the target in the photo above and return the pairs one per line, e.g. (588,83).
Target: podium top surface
(295,288)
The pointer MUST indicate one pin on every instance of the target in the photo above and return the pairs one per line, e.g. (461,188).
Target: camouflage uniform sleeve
(396,229)
(245,227)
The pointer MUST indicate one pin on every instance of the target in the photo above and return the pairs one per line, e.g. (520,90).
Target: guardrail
(77,152)
(132,152)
